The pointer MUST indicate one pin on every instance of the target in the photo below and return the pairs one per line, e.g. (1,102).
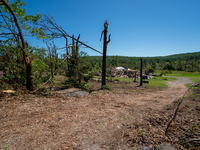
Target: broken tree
(105,43)
(51,29)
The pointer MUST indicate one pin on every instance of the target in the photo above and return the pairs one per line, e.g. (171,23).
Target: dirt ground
(127,117)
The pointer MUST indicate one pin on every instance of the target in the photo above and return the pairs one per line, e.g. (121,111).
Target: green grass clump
(106,87)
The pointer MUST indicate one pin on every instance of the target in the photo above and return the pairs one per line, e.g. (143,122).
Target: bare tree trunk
(141,82)
(66,47)
(76,59)
(73,47)
(30,78)
(105,43)
(77,51)
(29,71)
(67,52)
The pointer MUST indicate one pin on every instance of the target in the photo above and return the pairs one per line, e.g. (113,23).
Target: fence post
(141,82)
(105,43)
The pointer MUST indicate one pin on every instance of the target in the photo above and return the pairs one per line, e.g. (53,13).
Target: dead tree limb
(173,117)
(64,34)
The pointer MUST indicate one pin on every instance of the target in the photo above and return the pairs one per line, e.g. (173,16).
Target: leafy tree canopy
(26,22)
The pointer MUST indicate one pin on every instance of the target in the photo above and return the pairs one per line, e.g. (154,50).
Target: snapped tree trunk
(105,43)
(29,71)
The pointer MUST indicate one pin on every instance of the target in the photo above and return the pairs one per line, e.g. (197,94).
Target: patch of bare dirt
(124,118)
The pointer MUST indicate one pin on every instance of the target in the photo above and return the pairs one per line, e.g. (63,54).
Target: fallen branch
(53,73)
(178,107)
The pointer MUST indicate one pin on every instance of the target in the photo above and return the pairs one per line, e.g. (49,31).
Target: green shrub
(87,78)
(7,88)
(106,87)
(151,70)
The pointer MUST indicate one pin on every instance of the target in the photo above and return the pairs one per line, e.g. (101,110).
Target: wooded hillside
(180,62)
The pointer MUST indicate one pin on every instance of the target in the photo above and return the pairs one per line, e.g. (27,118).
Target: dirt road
(94,121)
(158,99)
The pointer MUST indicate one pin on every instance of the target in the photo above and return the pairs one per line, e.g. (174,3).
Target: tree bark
(29,71)
(29,78)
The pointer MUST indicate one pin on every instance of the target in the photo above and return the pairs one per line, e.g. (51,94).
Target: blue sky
(137,27)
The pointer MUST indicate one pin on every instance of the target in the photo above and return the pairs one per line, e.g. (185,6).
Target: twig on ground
(193,141)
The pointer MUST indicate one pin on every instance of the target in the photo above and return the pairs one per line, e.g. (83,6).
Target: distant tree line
(181,62)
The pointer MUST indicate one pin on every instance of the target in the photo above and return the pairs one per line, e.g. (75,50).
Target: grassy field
(158,82)
(194,76)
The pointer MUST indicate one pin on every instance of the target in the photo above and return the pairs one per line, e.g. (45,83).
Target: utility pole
(105,43)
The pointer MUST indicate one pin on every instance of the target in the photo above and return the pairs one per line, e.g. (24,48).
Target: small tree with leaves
(15,22)
(76,67)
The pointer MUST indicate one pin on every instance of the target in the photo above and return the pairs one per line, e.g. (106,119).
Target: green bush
(87,78)
(86,86)
(151,70)
(106,87)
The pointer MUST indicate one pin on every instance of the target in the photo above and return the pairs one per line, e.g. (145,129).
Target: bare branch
(178,107)
(62,32)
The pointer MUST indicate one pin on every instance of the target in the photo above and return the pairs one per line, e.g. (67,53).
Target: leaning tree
(13,25)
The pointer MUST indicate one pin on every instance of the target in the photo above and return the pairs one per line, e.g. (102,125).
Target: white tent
(120,68)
